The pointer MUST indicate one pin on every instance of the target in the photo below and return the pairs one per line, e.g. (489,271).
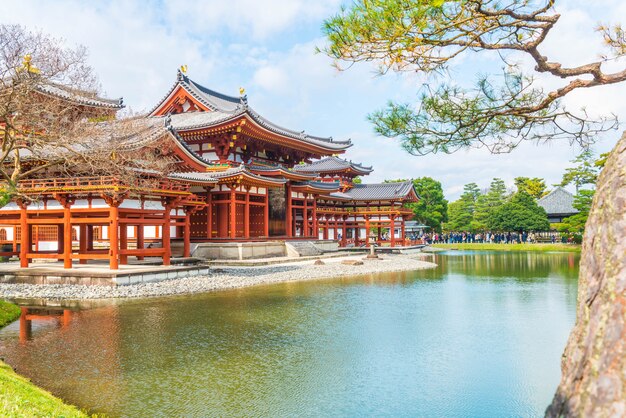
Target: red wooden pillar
(123,243)
(326,227)
(336,226)
(266,215)
(89,237)
(67,234)
(140,239)
(289,211)
(403,231)
(187,234)
(392,227)
(25,326)
(67,317)
(305,217)
(344,238)
(82,242)
(209,215)
(367,230)
(25,238)
(233,213)
(316,230)
(356,228)
(246,215)
(14,239)
(167,246)
(113,237)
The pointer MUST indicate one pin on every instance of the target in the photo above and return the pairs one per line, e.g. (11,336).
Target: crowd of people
(489,237)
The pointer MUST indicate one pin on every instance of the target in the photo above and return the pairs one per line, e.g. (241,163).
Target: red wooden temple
(238,177)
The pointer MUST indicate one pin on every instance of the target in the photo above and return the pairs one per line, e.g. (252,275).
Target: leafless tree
(53,122)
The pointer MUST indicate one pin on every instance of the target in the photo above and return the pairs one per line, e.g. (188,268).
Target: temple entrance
(277,211)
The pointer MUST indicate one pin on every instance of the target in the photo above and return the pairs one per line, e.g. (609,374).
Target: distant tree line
(499,209)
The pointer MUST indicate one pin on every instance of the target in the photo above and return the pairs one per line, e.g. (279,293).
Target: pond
(479,336)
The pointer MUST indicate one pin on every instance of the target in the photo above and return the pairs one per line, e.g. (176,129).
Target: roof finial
(183,68)
(28,66)
(243,97)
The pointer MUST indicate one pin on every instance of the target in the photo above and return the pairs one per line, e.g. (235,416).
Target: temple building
(237,177)
(558,204)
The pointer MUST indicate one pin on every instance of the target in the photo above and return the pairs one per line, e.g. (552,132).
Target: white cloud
(245,18)
(271,78)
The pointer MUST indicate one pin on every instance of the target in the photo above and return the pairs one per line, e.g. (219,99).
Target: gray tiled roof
(213,99)
(380,191)
(214,176)
(224,107)
(558,202)
(193,120)
(79,96)
(199,177)
(340,195)
(265,168)
(331,164)
(319,185)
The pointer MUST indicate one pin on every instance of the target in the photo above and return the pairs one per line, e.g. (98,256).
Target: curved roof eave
(236,106)
(329,146)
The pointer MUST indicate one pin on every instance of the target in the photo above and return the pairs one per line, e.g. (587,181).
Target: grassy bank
(18,396)
(511,247)
(8,313)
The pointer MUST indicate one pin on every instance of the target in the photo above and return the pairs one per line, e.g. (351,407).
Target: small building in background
(558,204)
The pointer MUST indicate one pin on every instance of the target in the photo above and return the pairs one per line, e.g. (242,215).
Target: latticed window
(46,233)
(3,234)
(97,233)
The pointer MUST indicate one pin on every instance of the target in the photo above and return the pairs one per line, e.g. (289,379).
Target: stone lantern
(372,242)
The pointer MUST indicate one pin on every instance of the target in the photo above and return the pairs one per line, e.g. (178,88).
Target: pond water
(479,336)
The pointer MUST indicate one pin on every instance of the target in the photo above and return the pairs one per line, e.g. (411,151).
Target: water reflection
(515,264)
(57,317)
(474,337)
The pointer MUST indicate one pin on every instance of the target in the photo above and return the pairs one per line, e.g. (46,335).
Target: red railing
(96,183)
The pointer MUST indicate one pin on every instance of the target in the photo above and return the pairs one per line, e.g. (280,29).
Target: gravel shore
(221,278)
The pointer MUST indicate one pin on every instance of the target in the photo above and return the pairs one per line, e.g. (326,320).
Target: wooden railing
(365,211)
(51,185)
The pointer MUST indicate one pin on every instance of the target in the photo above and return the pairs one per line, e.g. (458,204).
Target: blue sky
(267,47)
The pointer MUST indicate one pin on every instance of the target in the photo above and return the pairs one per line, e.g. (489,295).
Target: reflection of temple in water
(61,316)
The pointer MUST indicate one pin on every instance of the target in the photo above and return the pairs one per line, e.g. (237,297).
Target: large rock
(593,383)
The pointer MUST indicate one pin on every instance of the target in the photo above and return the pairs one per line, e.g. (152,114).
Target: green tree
(500,110)
(535,187)
(488,202)
(584,172)
(521,213)
(601,161)
(582,203)
(461,212)
(459,217)
(432,208)
(470,195)
(481,213)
